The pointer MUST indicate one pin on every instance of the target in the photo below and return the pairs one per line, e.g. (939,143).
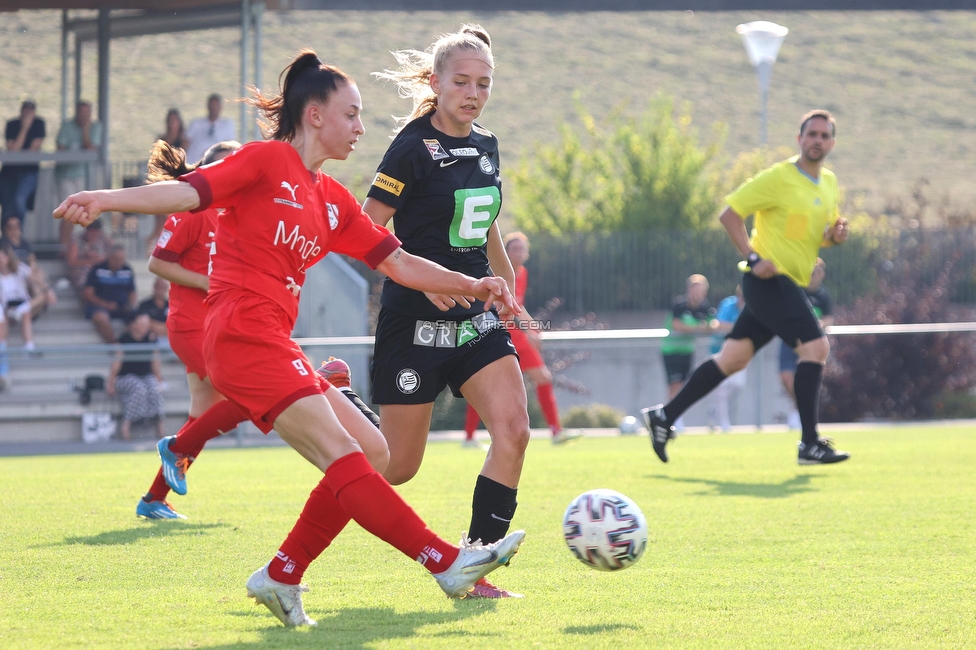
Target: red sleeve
(180,232)
(360,237)
(219,183)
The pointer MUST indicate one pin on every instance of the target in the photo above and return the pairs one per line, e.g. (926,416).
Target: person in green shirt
(690,314)
(795,208)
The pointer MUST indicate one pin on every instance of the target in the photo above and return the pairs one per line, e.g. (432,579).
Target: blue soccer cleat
(156,510)
(174,465)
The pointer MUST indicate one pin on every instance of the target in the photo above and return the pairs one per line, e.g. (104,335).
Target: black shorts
(677,367)
(775,307)
(413,360)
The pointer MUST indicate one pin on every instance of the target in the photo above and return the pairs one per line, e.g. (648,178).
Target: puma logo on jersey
(291,190)
(297,242)
(176,221)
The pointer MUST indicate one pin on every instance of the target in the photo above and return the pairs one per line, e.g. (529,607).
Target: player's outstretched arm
(159,198)
(424,275)
(178,274)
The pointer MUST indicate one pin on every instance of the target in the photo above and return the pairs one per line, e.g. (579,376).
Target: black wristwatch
(752,259)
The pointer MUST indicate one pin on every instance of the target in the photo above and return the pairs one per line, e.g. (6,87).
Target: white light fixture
(762,40)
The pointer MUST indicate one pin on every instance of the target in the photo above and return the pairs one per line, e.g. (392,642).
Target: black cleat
(820,454)
(659,428)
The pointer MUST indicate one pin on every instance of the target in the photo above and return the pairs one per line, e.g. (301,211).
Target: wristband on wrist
(753,259)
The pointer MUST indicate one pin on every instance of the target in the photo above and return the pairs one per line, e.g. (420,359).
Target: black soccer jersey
(447,193)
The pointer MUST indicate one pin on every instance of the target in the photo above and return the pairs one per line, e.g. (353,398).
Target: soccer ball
(605,530)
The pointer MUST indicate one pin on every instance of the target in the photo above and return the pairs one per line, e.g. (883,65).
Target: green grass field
(746,549)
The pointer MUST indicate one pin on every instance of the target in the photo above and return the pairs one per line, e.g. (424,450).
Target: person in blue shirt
(726,315)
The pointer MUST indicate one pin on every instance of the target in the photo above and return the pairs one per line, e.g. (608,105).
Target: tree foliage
(631,174)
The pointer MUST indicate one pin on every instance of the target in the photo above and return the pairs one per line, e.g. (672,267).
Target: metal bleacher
(42,402)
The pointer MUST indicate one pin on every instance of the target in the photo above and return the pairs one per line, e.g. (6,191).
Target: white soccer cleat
(475,561)
(284,601)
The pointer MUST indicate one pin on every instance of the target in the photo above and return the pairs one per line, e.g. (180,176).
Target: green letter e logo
(474,212)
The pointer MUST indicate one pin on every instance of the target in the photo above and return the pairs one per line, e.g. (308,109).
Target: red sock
(159,490)
(217,420)
(376,506)
(471,420)
(322,519)
(547,402)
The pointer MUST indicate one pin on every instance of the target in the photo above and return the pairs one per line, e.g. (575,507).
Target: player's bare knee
(399,473)
(815,351)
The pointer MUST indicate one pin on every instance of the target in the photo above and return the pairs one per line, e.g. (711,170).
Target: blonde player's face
(339,122)
(464,87)
(817,140)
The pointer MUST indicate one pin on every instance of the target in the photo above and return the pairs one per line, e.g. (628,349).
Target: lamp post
(762,40)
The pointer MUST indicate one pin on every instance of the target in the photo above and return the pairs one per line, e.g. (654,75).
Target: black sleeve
(398,174)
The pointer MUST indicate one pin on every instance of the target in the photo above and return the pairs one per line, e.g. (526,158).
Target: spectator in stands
(175,134)
(89,248)
(17,303)
(4,358)
(24,252)
(157,307)
(136,377)
(18,183)
(204,132)
(110,292)
(80,134)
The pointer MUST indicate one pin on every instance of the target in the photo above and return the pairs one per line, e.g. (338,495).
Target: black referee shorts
(413,360)
(775,307)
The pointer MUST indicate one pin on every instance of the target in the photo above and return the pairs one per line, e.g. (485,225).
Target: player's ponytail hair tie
(306,79)
(412,76)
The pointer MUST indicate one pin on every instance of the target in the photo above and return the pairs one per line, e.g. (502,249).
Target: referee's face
(817,140)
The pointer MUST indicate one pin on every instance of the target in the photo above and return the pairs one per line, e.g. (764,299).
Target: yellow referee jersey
(793,211)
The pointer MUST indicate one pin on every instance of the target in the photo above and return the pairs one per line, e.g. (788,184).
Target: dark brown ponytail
(305,79)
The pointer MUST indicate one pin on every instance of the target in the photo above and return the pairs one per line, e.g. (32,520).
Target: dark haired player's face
(341,122)
(464,88)
(817,139)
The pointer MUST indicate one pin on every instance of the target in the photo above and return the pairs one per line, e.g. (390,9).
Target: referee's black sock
(806,387)
(703,381)
(492,510)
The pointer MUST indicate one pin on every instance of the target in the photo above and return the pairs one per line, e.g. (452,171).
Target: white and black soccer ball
(605,530)
(629,425)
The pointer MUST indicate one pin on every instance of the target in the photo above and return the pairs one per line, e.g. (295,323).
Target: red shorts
(253,361)
(188,346)
(528,356)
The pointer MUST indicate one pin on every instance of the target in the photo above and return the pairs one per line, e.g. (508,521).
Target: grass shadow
(365,627)
(129,535)
(599,629)
(799,484)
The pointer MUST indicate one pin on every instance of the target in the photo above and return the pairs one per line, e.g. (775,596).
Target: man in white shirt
(205,132)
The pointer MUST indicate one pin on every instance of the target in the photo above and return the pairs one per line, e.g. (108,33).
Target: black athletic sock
(806,387)
(703,381)
(361,405)
(492,510)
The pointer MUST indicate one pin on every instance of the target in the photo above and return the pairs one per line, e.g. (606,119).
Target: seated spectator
(136,377)
(24,252)
(89,248)
(17,303)
(157,307)
(18,182)
(110,292)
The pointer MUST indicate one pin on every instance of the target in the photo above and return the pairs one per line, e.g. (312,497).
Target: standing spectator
(204,132)
(175,134)
(110,292)
(822,308)
(19,182)
(79,134)
(728,312)
(690,315)
(89,248)
(17,303)
(136,377)
(156,307)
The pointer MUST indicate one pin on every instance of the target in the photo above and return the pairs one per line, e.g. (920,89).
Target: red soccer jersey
(186,239)
(281,219)
(521,284)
